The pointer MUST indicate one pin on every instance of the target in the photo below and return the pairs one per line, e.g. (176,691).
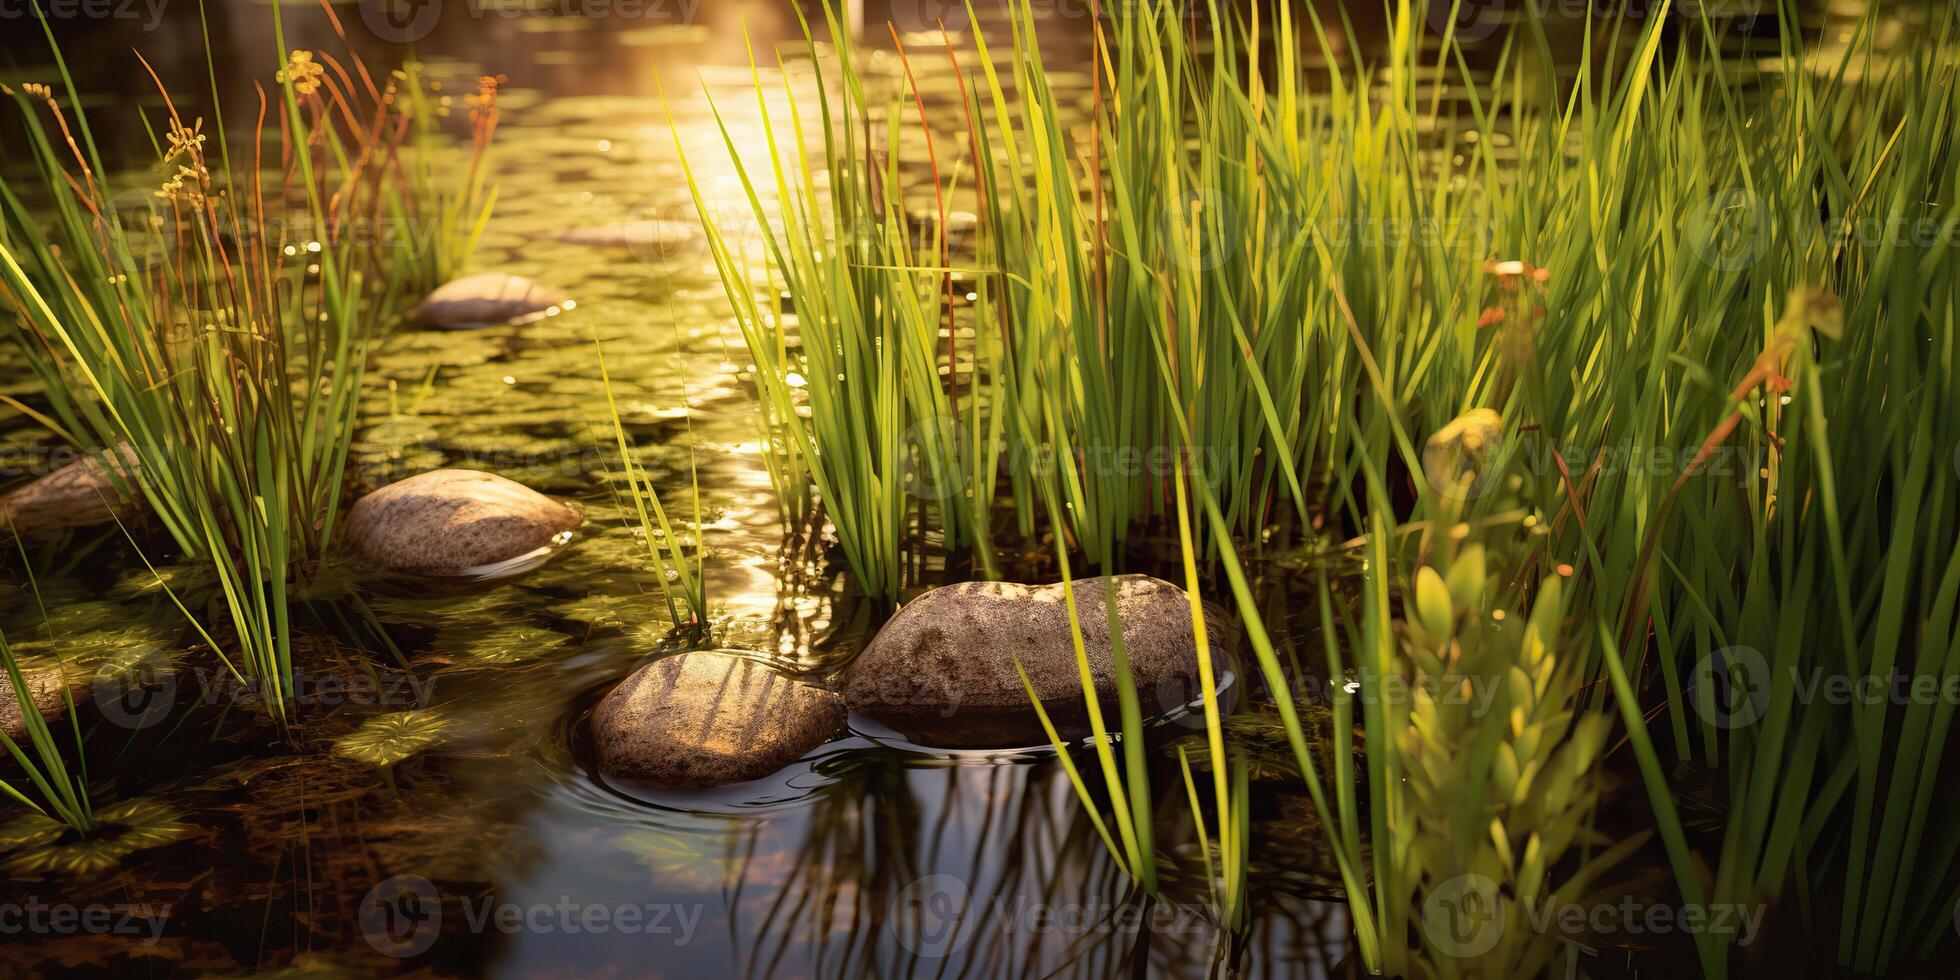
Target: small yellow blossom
(304,72)
(185,140)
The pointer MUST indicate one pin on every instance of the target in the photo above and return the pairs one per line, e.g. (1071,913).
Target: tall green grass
(682,584)
(58,791)
(852,379)
(1607,297)
(219,324)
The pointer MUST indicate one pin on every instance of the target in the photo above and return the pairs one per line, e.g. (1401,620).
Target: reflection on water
(454,789)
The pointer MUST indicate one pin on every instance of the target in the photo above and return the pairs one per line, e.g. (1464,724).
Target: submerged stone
(44,689)
(489,299)
(709,719)
(942,671)
(459,522)
(81,494)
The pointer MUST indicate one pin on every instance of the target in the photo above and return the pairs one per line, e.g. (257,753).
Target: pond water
(494,846)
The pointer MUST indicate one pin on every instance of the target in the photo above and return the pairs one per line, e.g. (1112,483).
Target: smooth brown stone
(80,494)
(455,522)
(709,719)
(489,299)
(942,671)
(44,688)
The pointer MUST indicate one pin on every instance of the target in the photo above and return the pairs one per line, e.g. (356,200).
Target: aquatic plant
(61,794)
(857,395)
(1301,280)
(218,326)
(444,217)
(680,576)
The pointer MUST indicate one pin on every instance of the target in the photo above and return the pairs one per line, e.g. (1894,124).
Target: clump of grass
(224,348)
(1281,275)
(61,795)
(446,217)
(853,381)
(680,575)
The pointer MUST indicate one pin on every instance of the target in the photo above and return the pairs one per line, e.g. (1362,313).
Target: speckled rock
(709,719)
(488,300)
(44,688)
(457,522)
(81,494)
(942,671)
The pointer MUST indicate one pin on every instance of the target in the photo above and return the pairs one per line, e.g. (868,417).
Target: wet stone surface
(709,719)
(942,672)
(456,522)
(488,300)
(81,494)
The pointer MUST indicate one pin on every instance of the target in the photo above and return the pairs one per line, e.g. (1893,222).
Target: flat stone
(709,719)
(80,494)
(489,299)
(458,522)
(942,671)
(44,689)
